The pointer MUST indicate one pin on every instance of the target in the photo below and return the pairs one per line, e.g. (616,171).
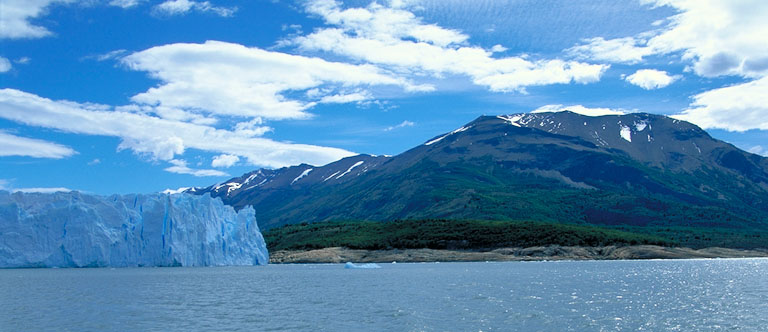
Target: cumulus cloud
(579,109)
(403,124)
(15,16)
(182,7)
(225,160)
(11,145)
(158,138)
(252,128)
(722,38)
(718,37)
(231,79)
(396,38)
(180,167)
(738,107)
(650,79)
(619,50)
(5,65)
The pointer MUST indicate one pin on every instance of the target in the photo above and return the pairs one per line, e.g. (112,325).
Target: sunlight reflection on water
(689,295)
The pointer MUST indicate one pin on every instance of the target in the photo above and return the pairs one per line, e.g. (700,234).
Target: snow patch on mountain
(303,174)
(446,135)
(626,133)
(512,119)
(350,169)
(641,125)
(332,175)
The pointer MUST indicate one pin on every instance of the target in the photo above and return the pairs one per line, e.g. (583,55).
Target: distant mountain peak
(635,166)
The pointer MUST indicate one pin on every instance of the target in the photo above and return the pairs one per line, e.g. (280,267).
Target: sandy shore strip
(342,255)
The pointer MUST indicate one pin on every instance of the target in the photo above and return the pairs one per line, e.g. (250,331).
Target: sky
(125,96)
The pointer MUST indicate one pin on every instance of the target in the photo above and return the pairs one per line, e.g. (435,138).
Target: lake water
(680,295)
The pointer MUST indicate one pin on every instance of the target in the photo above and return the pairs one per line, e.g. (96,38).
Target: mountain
(634,170)
(79,230)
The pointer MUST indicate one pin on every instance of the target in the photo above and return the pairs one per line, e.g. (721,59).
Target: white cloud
(380,22)
(231,79)
(403,124)
(225,160)
(182,7)
(579,109)
(650,79)
(5,65)
(738,107)
(94,162)
(15,18)
(23,60)
(180,167)
(498,48)
(11,145)
(125,3)
(396,38)
(757,149)
(6,185)
(158,138)
(342,98)
(42,190)
(116,54)
(718,37)
(619,50)
(252,128)
(723,38)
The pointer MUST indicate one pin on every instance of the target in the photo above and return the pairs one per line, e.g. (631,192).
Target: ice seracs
(78,230)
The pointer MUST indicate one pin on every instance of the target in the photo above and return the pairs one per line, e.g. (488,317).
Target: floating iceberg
(351,265)
(77,230)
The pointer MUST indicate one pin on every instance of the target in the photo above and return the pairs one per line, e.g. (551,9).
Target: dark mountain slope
(635,169)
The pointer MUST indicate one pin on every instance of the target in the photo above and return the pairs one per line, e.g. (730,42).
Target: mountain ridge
(633,169)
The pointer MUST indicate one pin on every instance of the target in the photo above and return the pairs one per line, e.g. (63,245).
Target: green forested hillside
(448,234)
(476,234)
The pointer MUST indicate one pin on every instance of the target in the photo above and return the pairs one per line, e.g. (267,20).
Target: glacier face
(78,230)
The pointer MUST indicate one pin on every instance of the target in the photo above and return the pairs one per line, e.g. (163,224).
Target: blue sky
(119,96)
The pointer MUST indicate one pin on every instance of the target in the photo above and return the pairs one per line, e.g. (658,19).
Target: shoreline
(549,253)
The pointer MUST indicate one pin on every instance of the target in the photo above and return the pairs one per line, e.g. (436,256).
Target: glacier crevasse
(73,229)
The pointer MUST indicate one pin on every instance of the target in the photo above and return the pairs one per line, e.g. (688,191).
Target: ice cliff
(79,230)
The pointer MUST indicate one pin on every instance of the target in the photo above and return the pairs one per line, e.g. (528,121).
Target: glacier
(72,229)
